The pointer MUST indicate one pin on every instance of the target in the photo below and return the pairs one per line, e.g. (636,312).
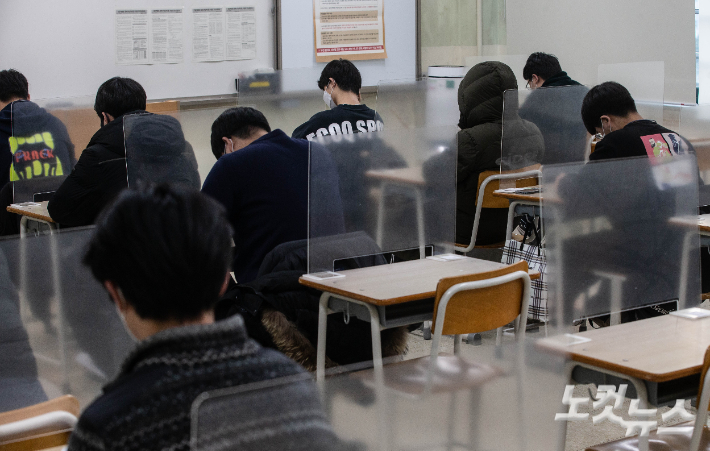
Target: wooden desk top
(406,176)
(656,349)
(37,212)
(400,282)
(536,197)
(703,223)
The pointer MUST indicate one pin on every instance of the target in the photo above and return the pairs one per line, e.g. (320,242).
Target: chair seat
(451,373)
(657,442)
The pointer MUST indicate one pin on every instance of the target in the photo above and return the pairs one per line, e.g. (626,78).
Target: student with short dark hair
(340,81)
(33,144)
(543,70)
(236,125)
(100,174)
(163,256)
(608,109)
(262,179)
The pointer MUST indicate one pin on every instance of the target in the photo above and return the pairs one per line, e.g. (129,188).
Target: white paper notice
(208,34)
(167,35)
(353,29)
(132,36)
(241,33)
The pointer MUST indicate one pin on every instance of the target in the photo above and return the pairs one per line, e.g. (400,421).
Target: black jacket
(149,405)
(480,99)
(97,178)
(634,140)
(343,119)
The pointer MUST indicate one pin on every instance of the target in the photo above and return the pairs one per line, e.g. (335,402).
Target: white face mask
(328,99)
(123,319)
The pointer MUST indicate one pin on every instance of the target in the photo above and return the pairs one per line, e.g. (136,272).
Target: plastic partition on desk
(78,117)
(493,398)
(372,193)
(287,98)
(695,128)
(645,81)
(543,126)
(157,152)
(621,234)
(60,333)
(418,103)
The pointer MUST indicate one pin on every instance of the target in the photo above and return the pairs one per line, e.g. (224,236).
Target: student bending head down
(163,255)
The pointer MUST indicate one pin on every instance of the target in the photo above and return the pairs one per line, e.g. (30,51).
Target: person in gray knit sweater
(163,255)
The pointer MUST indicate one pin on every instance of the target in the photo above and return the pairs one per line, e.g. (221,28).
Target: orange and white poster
(351,29)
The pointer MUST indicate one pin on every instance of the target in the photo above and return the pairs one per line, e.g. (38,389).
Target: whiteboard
(298,46)
(67,49)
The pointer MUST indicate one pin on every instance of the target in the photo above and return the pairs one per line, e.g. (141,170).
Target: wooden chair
(464,304)
(488,182)
(40,426)
(693,436)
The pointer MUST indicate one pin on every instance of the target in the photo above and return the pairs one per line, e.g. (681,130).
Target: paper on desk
(570,339)
(26,204)
(525,190)
(692,313)
(446,257)
(325,275)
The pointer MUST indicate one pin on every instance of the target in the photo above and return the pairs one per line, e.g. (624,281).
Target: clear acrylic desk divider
(543,126)
(372,194)
(288,98)
(495,400)
(418,103)
(621,236)
(60,331)
(157,152)
(695,128)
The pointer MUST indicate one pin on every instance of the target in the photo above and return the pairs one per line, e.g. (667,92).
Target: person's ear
(225,284)
(332,83)
(105,118)
(117,298)
(228,145)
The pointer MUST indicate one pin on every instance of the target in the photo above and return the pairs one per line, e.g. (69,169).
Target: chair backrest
(498,202)
(706,366)
(703,399)
(39,426)
(482,309)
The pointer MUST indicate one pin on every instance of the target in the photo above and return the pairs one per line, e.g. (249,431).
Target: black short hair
(118,96)
(241,122)
(166,248)
(541,64)
(605,99)
(344,73)
(13,84)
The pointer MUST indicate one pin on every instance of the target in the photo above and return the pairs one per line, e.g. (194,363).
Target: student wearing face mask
(340,82)
(609,110)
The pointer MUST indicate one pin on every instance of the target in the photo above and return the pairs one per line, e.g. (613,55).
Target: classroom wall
(67,48)
(584,35)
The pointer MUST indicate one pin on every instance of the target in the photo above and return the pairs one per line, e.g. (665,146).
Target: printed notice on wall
(353,29)
(208,34)
(166,36)
(241,33)
(132,36)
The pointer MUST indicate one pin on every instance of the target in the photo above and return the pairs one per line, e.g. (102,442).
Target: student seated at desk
(479,146)
(608,109)
(163,256)
(100,173)
(262,179)
(33,144)
(341,83)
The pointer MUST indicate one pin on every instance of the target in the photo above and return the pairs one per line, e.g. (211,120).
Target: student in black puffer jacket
(480,99)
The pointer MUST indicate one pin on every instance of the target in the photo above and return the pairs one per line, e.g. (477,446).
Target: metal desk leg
(322,328)
(420,222)
(379,232)
(23,226)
